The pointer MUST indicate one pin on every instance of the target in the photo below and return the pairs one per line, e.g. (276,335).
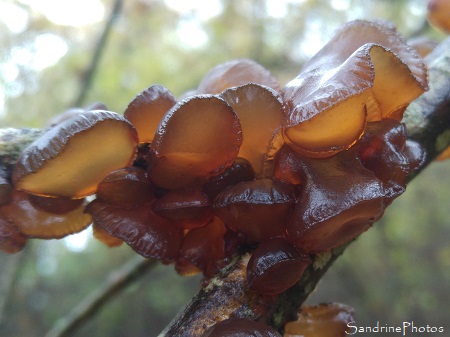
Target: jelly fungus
(257,105)
(74,112)
(275,266)
(185,208)
(51,218)
(365,73)
(240,327)
(240,164)
(64,162)
(423,45)
(339,200)
(11,239)
(126,187)
(323,320)
(102,235)
(198,138)
(203,247)
(236,73)
(147,233)
(257,208)
(439,14)
(147,109)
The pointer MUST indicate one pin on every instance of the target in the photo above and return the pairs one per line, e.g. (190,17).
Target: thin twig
(89,74)
(90,305)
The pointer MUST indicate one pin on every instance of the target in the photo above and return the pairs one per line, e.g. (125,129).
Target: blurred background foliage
(398,271)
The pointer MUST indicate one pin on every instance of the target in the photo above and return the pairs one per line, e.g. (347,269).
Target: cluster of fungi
(239,163)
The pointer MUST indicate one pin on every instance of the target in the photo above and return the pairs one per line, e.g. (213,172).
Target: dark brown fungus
(197,139)
(323,320)
(275,266)
(11,239)
(257,208)
(239,171)
(147,233)
(339,200)
(235,73)
(70,159)
(203,247)
(185,208)
(147,109)
(240,327)
(126,188)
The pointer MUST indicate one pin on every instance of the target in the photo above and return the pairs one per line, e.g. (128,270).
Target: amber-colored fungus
(257,208)
(256,105)
(70,159)
(126,187)
(102,235)
(185,208)
(203,247)
(236,73)
(198,138)
(339,200)
(439,14)
(74,112)
(275,266)
(422,45)
(366,67)
(11,239)
(149,234)
(213,172)
(147,109)
(35,222)
(240,327)
(323,320)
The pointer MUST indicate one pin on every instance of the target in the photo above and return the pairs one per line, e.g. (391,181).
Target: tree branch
(428,122)
(100,47)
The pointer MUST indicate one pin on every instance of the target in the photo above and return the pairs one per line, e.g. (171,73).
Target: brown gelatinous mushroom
(261,112)
(185,208)
(422,45)
(74,112)
(204,247)
(147,233)
(240,327)
(126,187)
(102,235)
(147,109)
(11,239)
(323,320)
(55,205)
(239,171)
(257,208)
(384,151)
(275,266)
(197,139)
(70,159)
(235,73)
(439,14)
(34,222)
(360,75)
(339,200)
